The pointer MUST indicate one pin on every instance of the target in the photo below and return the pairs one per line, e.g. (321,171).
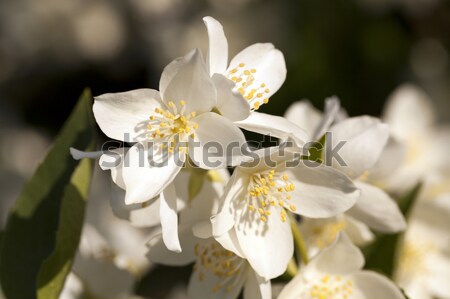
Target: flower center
(329,287)
(269,189)
(171,126)
(253,92)
(212,259)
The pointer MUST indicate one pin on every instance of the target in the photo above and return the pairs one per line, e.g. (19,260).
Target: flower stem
(298,240)
(292,268)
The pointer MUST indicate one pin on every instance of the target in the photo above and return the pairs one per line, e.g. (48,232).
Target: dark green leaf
(381,255)
(54,270)
(30,234)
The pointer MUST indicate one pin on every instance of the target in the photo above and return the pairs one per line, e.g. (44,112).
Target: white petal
(224,220)
(257,287)
(142,181)
(408,110)
(376,209)
(269,65)
(268,246)
(169,218)
(103,278)
(124,115)
(78,155)
(275,126)
(158,252)
(230,242)
(304,115)
(393,155)
(332,108)
(140,214)
(230,103)
(364,137)
(438,279)
(321,191)
(217,59)
(218,136)
(113,160)
(190,82)
(206,202)
(339,259)
(368,285)
(358,232)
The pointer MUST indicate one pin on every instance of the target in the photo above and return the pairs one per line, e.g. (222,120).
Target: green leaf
(381,255)
(30,234)
(54,270)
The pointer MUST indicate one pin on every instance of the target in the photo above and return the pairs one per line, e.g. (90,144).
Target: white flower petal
(304,115)
(140,214)
(275,126)
(230,242)
(364,137)
(124,115)
(189,81)
(341,258)
(376,209)
(268,246)
(230,103)
(321,191)
(218,136)
(113,160)
(257,287)
(217,58)
(368,285)
(438,280)
(332,108)
(358,232)
(142,181)
(224,220)
(169,218)
(158,252)
(267,61)
(393,155)
(408,110)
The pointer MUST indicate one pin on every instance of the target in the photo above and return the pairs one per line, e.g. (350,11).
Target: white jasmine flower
(363,140)
(336,272)
(218,273)
(423,265)
(247,82)
(321,233)
(255,206)
(178,113)
(418,145)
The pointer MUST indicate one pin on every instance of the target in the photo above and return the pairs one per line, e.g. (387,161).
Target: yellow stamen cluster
(324,235)
(171,126)
(270,189)
(331,287)
(212,259)
(253,92)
